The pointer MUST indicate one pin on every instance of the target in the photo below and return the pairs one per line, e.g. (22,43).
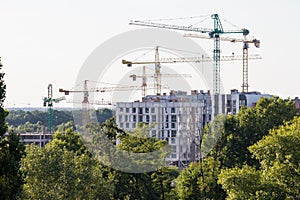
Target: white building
(177,118)
(236,100)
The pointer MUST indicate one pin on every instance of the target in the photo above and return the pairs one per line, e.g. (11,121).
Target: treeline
(32,121)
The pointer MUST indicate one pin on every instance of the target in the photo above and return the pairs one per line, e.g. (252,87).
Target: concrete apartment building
(177,118)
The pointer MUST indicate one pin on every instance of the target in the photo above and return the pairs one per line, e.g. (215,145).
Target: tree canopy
(278,176)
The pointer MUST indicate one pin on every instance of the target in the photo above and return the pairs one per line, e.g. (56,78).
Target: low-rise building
(36,138)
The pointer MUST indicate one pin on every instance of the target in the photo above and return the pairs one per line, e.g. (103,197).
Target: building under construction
(177,118)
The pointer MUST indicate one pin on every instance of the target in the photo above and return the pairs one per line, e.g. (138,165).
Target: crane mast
(157,76)
(245,58)
(48,101)
(144,78)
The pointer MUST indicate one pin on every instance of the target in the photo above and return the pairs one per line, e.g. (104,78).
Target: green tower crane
(48,101)
(214,33)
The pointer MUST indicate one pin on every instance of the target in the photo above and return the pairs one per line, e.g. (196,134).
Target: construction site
(177,116)
(149,100)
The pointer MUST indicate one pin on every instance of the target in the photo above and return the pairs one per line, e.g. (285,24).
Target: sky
(44,42)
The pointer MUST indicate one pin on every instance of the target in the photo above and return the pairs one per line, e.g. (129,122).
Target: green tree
(151,185)
(249,126)
(11,151)
(278,176)
(103,114)
(187,186)
(63,170)
(3,112)
(199,180)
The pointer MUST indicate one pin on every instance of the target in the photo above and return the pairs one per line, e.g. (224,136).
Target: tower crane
(144,77)
(158,61)
(86,90)
(48,101)
(212,33)
(245,41)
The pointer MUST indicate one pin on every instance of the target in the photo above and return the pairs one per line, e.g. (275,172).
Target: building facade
(236,100)
(36,138)
(177,118)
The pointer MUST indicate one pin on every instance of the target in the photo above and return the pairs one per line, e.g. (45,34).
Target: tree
(3,112)
(278,176)
(103,114)
(199,180)
(149,185)
(11,151)
(62,170)
(187,186)
(249,126)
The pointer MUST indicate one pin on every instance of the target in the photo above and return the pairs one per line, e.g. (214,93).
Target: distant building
(236,100)
(36,138)
(178,118)
(297,102)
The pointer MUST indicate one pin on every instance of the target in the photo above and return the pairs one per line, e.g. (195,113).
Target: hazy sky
(44,42)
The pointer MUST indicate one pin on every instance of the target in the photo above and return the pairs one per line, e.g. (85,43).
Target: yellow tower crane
(86,90)
(245,41)
(158,61)
(144,77)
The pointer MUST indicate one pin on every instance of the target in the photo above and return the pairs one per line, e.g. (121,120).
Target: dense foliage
(37,121)
(11,151)
(278,176)
(63,170)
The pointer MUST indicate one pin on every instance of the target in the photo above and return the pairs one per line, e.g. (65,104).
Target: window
(133,125)
(140,118)
(121,125)
(152,110)
(140,110)
(173,118)
(173,149)
(147,118)
(127,125)
(173,140)
(173,133)
(134,118)
(173,110)
(153,118)
(127,110)
(121,109)
(126,118)
(153,133)
(146,110)
(133,110)
(172,125)
(120,118)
